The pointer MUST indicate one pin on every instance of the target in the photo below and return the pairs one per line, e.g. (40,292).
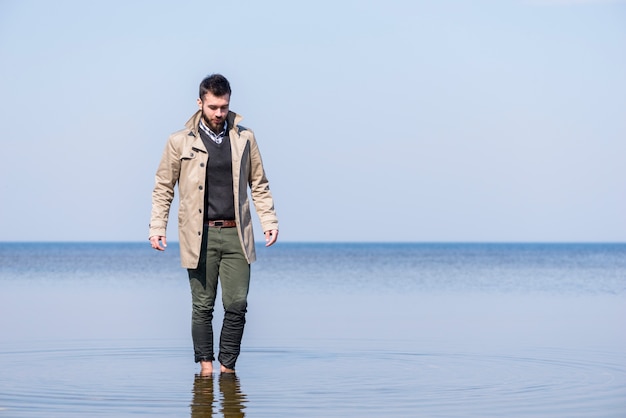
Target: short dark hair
(216,84)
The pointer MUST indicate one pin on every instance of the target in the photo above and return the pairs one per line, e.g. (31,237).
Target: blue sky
(377,120)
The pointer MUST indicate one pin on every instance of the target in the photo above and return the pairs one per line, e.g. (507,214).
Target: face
(214,110)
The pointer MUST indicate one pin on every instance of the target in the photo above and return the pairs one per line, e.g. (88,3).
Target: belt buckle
(218,223)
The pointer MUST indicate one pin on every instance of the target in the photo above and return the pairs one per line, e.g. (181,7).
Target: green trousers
(221,260)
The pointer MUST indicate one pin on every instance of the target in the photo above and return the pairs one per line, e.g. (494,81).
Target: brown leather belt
(222,224)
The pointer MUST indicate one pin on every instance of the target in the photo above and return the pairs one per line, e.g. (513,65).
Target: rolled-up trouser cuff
(232,332)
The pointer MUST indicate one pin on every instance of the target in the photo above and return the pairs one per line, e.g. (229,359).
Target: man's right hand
(156,242)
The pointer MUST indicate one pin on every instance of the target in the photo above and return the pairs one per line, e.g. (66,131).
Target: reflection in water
(202,402)
(232,400)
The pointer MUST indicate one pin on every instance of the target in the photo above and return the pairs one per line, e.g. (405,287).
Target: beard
(215,124)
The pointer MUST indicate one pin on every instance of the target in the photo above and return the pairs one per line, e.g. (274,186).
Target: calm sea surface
(334,330)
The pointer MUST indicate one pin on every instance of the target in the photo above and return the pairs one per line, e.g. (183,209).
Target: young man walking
(214,160)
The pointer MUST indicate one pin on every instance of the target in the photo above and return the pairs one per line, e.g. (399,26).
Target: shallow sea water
(334,330)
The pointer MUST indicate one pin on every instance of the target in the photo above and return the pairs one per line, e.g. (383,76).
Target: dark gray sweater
(219,201)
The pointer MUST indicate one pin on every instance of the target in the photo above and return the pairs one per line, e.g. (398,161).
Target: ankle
(225,369)
(206,367)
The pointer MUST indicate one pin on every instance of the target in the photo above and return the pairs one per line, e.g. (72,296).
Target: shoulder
(182,137)
(178,144)
(188,133)
(242,130)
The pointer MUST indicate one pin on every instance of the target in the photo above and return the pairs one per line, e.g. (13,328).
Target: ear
(199,103)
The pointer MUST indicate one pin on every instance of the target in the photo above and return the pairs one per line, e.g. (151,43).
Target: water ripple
(546,383)
(160,380)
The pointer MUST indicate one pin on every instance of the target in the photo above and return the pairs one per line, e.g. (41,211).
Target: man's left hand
(270,237)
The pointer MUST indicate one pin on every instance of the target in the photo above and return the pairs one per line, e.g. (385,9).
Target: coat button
(199,233)
(200,187)
(191,154)
(201,164)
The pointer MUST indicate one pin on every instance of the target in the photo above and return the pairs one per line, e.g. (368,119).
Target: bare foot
(226,369)
(206,368)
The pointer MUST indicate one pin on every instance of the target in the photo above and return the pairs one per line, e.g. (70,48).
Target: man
(214,160)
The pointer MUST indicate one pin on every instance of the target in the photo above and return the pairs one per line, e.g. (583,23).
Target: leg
(203,283)
(235,281)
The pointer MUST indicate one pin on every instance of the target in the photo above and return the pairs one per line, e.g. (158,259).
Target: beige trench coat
(184,161)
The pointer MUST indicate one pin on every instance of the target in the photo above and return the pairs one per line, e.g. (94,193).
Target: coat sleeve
(165,180)
(260,189)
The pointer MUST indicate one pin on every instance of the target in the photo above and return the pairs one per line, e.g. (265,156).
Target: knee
(238,308)
(202,313)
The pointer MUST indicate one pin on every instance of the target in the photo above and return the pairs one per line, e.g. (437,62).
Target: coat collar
(233,120)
